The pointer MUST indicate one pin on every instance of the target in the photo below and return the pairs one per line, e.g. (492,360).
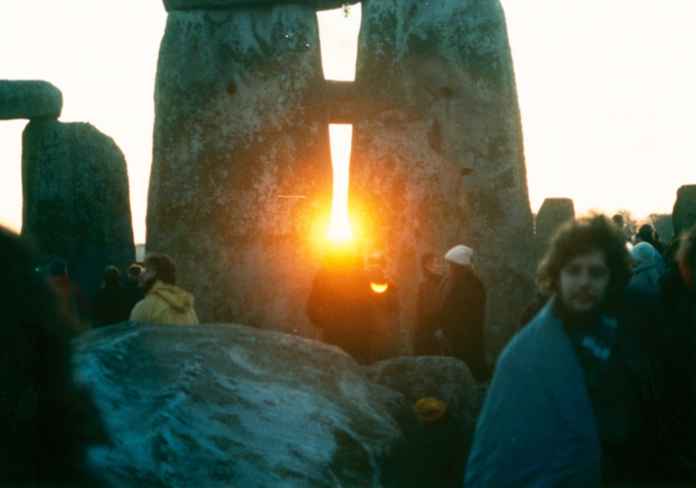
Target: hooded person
(647,268)
(463,311)
(164,302)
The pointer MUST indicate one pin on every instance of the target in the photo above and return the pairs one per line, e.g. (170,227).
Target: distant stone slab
(684,213)
(29,100)
(172,5)
(553,213)
(76,198)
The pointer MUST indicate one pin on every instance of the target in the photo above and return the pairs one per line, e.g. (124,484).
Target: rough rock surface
(553,213)
(228,405)
(438,156)
(29,100)
(241,168)
(684,212)
(430,454)
(663,226)
(76,198)
(172,5)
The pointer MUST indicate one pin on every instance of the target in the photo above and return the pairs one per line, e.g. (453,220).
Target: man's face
(584,282)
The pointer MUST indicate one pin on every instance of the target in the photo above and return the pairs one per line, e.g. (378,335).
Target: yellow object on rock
(430,409)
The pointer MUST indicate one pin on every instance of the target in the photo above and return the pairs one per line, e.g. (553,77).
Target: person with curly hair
(564,407)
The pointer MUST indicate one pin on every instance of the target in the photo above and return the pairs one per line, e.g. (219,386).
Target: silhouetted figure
(568,404)
(678,348)
(67,293)
(164,302)
(384,305)
(339,304)
(425,342)
(46,421)
(463,311)
(132,288)
(110,306)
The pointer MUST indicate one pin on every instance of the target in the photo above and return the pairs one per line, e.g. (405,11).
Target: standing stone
(684,212)
(76,199)
(553,213)
(663,227)
(438,156)
(241,170)
(172,5)
(29,100)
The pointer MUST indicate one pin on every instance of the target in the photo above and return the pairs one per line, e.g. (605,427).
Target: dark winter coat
(110,306)
(424,342)
(462,316)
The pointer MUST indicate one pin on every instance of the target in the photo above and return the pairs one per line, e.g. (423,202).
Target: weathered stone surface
(76,198)
(684,212)
(172,5)
(663,227)
(228,405)
(438,156)
(29,100)
(553,213)
(241,168)
(430,454)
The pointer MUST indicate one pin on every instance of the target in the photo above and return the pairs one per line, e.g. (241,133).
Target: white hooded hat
(460,254)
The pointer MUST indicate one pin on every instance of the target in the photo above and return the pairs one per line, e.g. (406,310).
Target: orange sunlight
(340,230)
(379,287)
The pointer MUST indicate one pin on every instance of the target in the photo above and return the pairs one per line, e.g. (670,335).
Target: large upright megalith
(684,212)
(553,213)
(438,156)
(241,168)
(76,198)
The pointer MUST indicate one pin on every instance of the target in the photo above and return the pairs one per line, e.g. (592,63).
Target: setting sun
(340,229)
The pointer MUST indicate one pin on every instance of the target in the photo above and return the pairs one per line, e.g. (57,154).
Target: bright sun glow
(340,230)
(379,287)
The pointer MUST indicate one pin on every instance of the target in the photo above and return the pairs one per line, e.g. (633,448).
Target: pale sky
(605,88)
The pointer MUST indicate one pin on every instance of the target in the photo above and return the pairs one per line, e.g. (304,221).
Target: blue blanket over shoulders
(537,427)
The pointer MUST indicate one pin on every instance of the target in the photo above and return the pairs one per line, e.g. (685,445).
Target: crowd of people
(597,385)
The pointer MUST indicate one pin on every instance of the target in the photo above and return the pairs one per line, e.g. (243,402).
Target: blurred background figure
(132,287)
(68,294)
(384,305)
(110,305)
(424,341)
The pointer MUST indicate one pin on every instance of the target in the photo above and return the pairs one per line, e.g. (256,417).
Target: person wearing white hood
(463,310)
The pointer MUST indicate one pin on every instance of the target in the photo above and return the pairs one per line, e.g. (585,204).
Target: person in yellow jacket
(164,302)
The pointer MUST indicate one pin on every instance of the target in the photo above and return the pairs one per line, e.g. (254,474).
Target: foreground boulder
(438,419)
(229,405)
(76,198)
(29,100)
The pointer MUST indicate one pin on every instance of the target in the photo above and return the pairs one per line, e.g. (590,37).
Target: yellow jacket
(165,304)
